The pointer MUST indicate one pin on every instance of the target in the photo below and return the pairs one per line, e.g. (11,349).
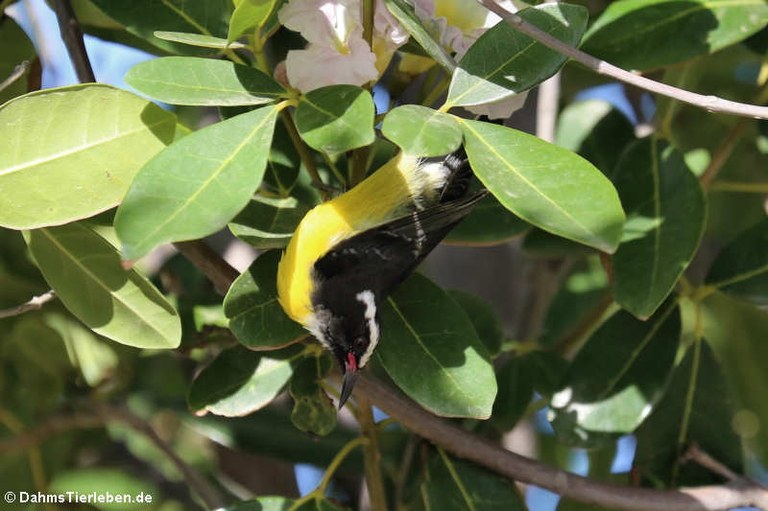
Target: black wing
(382,257)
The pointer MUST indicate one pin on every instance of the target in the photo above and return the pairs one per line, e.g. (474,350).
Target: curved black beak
(350,377)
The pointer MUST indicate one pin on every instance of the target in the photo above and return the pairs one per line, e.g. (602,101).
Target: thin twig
(696,454)
(17,73)
(464,444)
(72,36)
(213,266)
(547,103)
(32,305)
(711,103)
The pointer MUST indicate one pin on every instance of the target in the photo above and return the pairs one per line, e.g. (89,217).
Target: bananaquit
(348,254)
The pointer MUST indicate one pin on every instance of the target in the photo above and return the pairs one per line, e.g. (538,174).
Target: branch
(711,103)
(478,450)
(35,303)
(73,40)
(97,419)
(17,73)
(218,271)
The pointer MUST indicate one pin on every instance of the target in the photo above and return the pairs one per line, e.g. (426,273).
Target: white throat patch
(367,298)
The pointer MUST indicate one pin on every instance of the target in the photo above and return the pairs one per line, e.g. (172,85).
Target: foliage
(657,329)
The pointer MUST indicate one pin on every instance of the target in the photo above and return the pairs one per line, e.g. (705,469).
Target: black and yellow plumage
(348,254)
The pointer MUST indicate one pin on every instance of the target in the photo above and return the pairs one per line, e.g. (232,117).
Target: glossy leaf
(200,40)
(431,351)
(336,118)
(85,272)
(644,34)
(196,185)
(209,17)
(545,185)
(596,131)
(17,48)
(665,220)
(239,382)
(255,316)
(696,409)
(421,131)
(483,317)
(741,269)
(268,223)
(504,61)
(455,485)
(248,15)
(427,37)
(633,359)
(53,172)
(204,82)
(737,331)
(489,223)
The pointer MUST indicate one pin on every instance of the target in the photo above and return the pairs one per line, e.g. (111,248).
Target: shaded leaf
(431,351)
(644,34)
(422,131)
(101,482)
(489,223)
(268,223)
(248,15)
(632,359)
(197,184)
(545,185)
(695,408)
(84,270)
(255,316)
(204,82)
(313,410)
(483,317)
(336,118)
(665,220)
(453,484)
(239,381)
(741,269)
(504,61)
(54,172)
(17,48)
(427,37)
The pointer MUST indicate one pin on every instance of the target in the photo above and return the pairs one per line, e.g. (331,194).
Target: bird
(348,254)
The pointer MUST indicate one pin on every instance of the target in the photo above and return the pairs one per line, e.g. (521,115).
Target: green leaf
(431,351)
(268,223)
(427,37)
(515,381)
(17,48)
(483,317)
(336,118)
(54,172)
(144,17)
(204,82)
(741,269)
(272,503)
(313,410)
(489,223)
(102,482)
(255,316)
(665,220)
(504,62)
(545,185)
(422,131)
(696,409)
(737,331)
(199,40)
(645,34)
(239,382)
(596,131)
(452,484)
(196,185)
(85,272)
(632,359)
(248,15)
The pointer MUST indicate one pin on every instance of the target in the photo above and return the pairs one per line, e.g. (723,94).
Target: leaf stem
(306,157)
(372,455)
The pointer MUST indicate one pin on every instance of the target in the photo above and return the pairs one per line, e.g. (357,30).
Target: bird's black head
(351,331)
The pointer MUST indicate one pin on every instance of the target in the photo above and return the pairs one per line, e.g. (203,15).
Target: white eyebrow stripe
(368,299)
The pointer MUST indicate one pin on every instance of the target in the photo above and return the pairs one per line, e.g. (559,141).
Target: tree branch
(213,266)
(489,455)
(73,40)
(34,304)
(17,73)
(711,103)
